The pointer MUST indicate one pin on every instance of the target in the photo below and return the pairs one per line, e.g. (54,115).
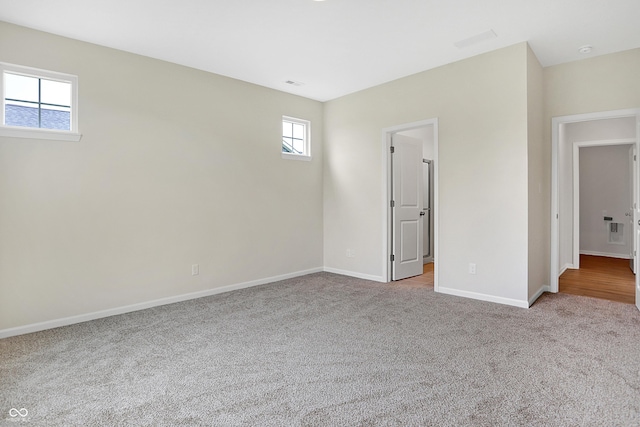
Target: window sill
(296,157)
(55,135)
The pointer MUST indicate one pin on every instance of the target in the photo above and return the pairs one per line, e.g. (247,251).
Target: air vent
(478,38)
(585,50)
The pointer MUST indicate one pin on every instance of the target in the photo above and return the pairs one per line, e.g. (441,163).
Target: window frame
(40,133)
(306,154)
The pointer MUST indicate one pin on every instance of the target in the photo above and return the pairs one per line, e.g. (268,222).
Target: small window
(38,103)
(295,138)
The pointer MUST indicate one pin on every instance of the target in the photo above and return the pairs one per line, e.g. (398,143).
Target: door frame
(387,226)
(556,122)
(429,258)
(576,187)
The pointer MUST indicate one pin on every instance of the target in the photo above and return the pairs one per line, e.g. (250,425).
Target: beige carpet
(328,350)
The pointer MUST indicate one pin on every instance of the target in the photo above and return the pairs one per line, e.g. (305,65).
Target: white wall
(481,105)
(595,130)
(539,176)
(604,186)
(175,167)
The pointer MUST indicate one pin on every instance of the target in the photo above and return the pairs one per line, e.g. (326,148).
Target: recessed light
(585,49)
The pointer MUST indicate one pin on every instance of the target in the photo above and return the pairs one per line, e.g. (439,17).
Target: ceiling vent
(478,38)
(585,50)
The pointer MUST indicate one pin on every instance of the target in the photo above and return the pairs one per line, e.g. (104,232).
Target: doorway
(600,277)
(569,135)
(603,214)
(603,198)
(426,132)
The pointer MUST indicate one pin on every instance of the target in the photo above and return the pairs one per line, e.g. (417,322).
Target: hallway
(600,277)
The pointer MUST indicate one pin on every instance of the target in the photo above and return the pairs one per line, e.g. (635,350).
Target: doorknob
(421,213)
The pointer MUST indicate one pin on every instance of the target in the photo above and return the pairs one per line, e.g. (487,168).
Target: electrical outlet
(351,253)
(472,268)
(195,269)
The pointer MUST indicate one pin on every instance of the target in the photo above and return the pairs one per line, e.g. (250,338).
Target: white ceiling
(333,47)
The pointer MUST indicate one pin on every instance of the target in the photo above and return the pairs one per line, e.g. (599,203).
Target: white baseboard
(543,289)
(41,326)
(606,254)
(484,297)
(565,268)
(354,274)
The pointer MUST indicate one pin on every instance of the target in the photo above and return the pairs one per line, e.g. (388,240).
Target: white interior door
(406,169)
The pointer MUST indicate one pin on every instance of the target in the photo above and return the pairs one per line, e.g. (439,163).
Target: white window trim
(39,133)
(306,156)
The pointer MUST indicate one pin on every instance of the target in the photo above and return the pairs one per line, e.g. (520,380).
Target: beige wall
(539,169)
(603,83)
(175,167)
(178,166)
(481,104)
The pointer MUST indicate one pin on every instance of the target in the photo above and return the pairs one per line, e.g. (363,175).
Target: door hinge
(393,150)
(393,258)
(393,204)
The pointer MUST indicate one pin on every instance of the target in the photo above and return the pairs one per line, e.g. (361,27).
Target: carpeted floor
(329,350)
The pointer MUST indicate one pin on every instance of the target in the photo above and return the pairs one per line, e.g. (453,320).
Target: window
(38,103)
(295,138)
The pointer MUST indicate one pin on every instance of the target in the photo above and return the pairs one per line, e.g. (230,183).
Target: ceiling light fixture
(585,49)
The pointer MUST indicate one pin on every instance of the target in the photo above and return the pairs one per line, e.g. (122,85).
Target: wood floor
(601,277)
(598,277)
(426,279)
